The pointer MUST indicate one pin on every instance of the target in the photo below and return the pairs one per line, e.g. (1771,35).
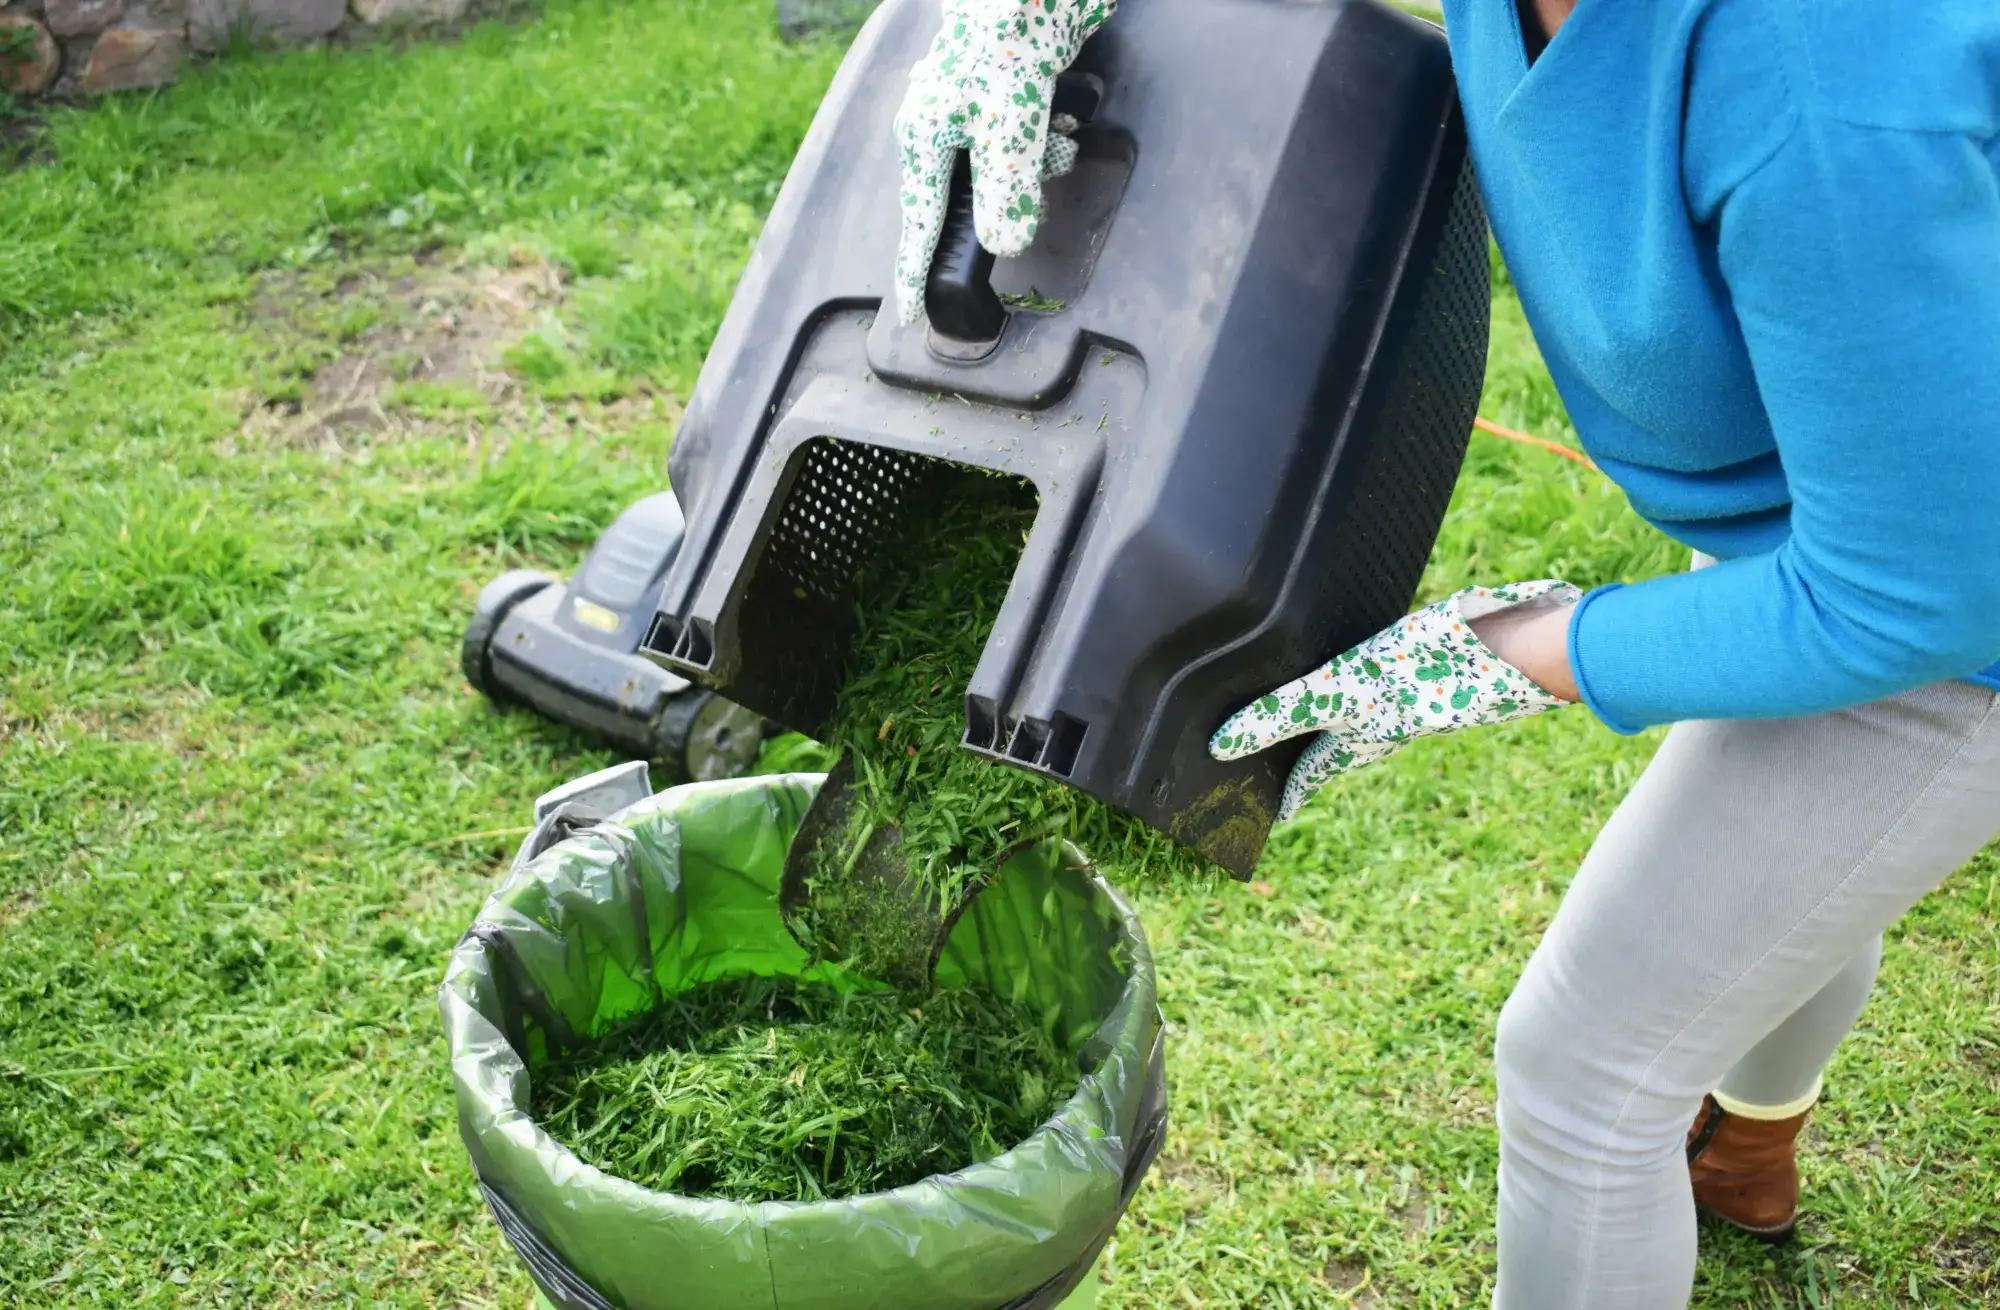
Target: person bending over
(1758,242)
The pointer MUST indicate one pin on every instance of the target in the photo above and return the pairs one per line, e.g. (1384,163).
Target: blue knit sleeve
(1863,264)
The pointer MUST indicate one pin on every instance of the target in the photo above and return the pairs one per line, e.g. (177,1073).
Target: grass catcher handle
(959,295)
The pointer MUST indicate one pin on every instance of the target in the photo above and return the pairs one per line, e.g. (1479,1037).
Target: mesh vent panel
(842,504)
(1413,449)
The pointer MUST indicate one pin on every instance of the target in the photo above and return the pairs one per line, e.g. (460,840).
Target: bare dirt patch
(16,906)
(1194,1175)
(1970,1259)
(1351,1282)
(397,344)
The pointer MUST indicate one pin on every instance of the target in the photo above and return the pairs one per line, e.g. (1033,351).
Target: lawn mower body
(569,652)
(1239,365)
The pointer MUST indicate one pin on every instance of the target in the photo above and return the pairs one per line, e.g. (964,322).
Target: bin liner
(601,917)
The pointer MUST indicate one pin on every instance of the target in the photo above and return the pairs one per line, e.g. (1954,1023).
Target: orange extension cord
(1554,448)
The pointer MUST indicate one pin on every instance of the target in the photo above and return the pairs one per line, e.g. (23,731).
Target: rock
(67,18)
(213,22)
(29,59)
(409,13)
(126,58)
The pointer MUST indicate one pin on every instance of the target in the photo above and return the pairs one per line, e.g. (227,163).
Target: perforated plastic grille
(1417,442)
(841,505)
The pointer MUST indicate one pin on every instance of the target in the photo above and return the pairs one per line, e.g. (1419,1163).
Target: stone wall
(62,49)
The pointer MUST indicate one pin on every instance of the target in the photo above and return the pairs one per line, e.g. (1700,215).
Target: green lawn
(295,356)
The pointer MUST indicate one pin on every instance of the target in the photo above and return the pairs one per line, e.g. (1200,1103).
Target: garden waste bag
(601,918)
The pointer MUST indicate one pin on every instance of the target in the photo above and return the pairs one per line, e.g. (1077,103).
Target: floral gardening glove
(1425,674)
(985,88)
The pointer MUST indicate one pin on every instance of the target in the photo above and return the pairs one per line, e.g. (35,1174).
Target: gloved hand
(985,88)
(1424,674)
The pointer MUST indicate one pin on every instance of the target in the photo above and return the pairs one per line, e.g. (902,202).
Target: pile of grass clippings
(924,613)
(783,1091)
(779,1090)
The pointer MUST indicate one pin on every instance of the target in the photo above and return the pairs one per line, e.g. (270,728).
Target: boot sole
(1777,1235)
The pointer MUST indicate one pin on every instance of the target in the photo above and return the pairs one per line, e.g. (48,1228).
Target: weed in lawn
(776,1090)
(17,45)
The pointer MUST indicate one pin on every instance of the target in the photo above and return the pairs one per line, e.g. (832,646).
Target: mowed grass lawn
(295,356)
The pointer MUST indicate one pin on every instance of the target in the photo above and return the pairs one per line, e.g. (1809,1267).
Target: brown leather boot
(1745,1171)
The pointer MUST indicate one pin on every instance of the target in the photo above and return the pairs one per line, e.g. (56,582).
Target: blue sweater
(1758,242)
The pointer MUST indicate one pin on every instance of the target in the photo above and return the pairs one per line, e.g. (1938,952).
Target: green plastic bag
(590,930)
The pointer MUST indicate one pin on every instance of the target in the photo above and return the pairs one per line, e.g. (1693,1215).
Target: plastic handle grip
(959,295)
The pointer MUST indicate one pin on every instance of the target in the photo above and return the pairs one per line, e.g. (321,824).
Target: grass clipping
(780,1090)
(923,615)
(759,1090)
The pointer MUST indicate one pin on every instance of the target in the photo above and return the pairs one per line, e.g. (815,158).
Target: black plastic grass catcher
(1239,366)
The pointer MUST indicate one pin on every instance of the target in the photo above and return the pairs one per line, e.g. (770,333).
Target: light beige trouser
(1722,932)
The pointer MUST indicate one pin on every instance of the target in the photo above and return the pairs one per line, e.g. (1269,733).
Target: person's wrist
(1533,638)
